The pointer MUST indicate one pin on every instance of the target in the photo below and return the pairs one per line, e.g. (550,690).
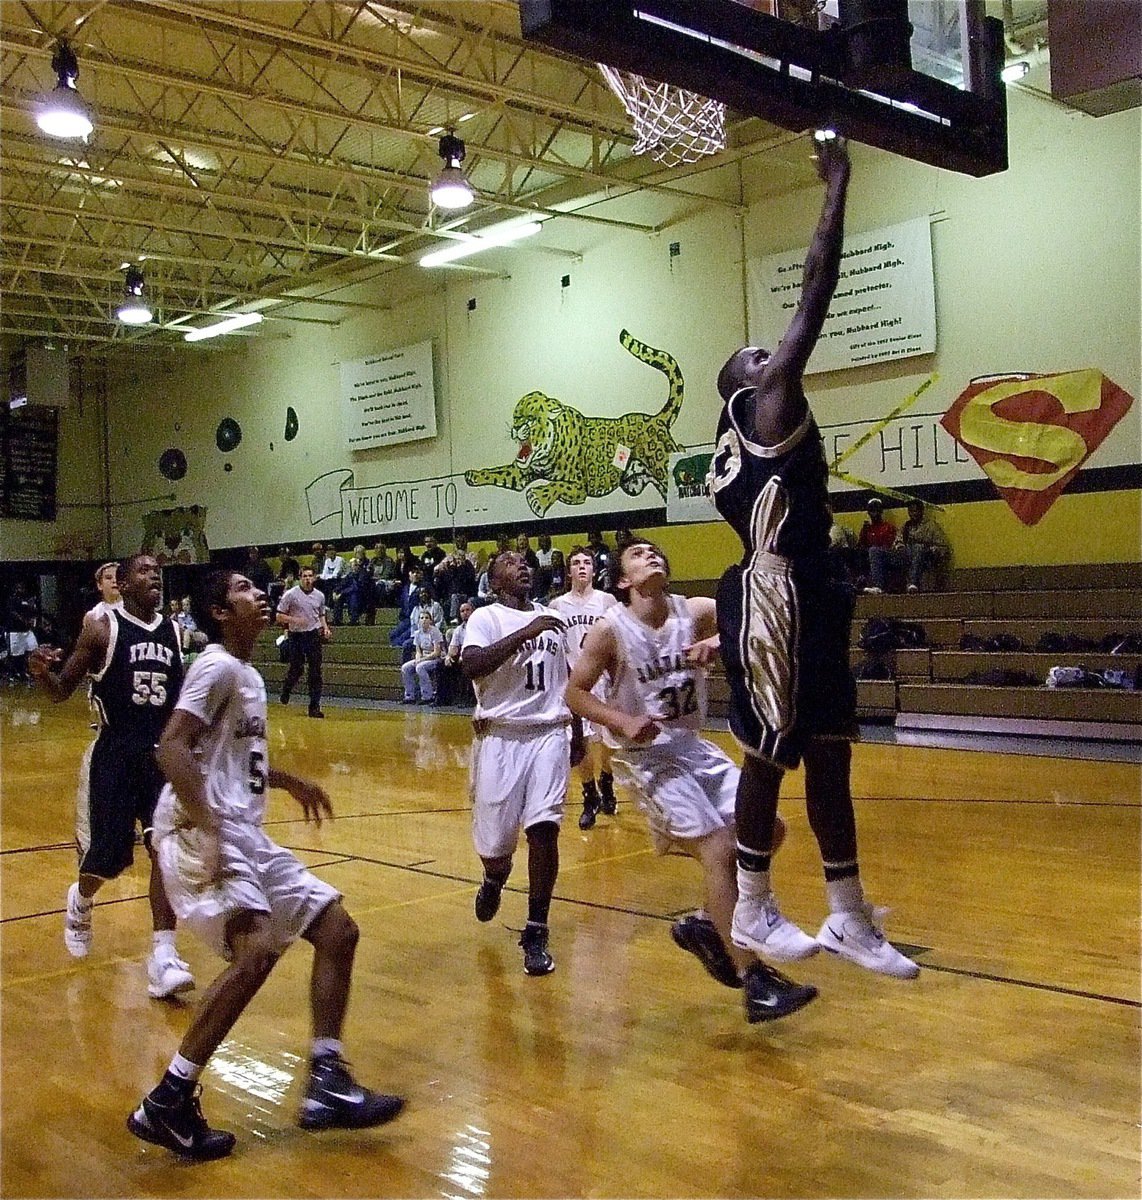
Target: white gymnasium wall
(1037,269)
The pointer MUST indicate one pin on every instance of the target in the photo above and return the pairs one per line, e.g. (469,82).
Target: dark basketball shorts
(119,785)
(785,645)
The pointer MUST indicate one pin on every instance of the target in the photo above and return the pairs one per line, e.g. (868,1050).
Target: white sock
(163,939)
(753,885)
(845,895)
(82,901)
(183,1068)
(326,1045)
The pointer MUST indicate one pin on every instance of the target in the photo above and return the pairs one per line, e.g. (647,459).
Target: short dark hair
(623,593)
(126,566)
(729,377)
(576,550)
(209,595)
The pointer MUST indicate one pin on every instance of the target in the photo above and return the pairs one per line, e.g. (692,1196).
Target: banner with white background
(884,307)
(389,397)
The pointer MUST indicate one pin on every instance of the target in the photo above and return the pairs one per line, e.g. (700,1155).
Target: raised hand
(42,659)
(832,160)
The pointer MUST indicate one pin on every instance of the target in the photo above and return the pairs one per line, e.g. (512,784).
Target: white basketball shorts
(257,876)
(519,778)
(686,788)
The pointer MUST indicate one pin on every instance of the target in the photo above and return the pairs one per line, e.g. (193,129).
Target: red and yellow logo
(1032,433)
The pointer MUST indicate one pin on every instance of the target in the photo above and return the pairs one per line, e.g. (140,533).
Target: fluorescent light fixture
(63,114)
(237,321)
(1015,71)
(825,135)
(497,235)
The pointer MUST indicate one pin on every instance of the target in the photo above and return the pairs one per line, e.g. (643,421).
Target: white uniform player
(686,785)
(653,650)
(256,875)
(520,759)
(515,654)
(582,607)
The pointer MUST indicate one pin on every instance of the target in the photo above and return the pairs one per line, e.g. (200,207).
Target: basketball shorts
(119,784)
(257,875)
(785,646)
(686,788)
(519,778)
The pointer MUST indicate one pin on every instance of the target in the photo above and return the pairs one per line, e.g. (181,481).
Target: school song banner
(389,397)
(884,307)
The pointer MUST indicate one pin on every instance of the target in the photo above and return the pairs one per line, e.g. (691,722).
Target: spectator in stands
(454,687)
(455,577)
(549,579)
(842,550)
(23,613)
(406,561)
(426,602)
(318,558)
(920,546)
(406,602)
(876,531)
(331,569)
(428,653)
(257,570)
(431,557)
(603,557)
(386,574)
(355,590)
(484,593)
(288,571)
(623,538)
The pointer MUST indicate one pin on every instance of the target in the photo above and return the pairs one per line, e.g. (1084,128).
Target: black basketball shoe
(698,936)
(536,960)
(770,995)
(608,805)
(333,1099)
(488,896)
(180,1127)
(590,805)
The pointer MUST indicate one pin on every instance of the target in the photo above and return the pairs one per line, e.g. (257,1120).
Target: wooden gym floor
(1010,1068)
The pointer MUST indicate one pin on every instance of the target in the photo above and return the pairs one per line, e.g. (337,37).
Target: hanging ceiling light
(450,189)
(62,113)
(134,310)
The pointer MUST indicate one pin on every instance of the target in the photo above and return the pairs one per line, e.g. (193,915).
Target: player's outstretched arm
(176,758)
(780,389)
(87,656)
(706,644)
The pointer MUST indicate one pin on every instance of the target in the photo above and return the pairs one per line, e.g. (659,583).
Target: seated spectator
(257,570)
(603,556)
(288,571)
(317,559)
(386,574)
(551,572)
(921,546)
(355,590)
(428,653)
(484,593)
(454,686)
(331,569)
(455,577)
(623,538)
(425,603)
(406,602)
(842,550)
(406,560)
(431,557)
(876,531)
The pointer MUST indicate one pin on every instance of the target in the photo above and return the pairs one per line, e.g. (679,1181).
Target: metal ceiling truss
(254,151)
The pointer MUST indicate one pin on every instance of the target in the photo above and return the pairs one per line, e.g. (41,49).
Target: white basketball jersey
(528,688)
(652,677)
(580,613)
(230,697)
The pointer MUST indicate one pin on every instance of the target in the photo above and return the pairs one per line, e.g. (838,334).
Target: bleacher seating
(935,686)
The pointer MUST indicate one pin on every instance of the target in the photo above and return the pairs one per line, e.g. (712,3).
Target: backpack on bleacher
(878,635)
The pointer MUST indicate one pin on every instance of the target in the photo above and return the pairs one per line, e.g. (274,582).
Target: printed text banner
(389,397)
(884,306)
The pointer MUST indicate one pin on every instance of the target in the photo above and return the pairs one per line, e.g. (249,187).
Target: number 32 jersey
(528,688)
(652,677)
(138,685)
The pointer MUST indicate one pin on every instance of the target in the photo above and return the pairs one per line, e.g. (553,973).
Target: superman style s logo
(1032,433)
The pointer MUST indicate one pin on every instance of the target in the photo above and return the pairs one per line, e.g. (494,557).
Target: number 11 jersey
(527,689)
(653,677)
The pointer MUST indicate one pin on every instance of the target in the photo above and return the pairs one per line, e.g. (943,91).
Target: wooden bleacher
(929,687)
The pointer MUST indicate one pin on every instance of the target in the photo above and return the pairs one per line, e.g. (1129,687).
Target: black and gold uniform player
(783,618)
(133,658)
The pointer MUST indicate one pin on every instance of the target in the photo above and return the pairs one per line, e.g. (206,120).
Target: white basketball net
(672,126)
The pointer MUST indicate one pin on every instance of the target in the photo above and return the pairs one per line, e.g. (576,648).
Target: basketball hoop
(671,125)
